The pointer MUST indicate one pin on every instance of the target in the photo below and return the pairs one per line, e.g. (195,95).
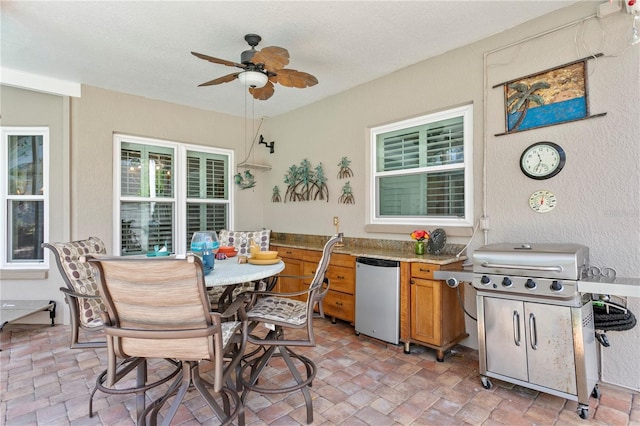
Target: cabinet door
(505,335)
(426,316)
(550,353)
(288,284)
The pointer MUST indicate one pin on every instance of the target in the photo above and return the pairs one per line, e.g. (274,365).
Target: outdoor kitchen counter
(430,313)
(392,253)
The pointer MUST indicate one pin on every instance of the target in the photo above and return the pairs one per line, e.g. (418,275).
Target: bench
(13,310)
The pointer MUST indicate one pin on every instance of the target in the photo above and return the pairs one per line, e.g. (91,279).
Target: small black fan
(436,242)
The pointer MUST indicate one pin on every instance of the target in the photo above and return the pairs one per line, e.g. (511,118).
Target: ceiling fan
(261,69)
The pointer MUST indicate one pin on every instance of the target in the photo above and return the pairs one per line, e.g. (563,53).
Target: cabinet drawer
(341,279)
(423,270)
(312,256)
(339,305)
(289,252)
(346,260)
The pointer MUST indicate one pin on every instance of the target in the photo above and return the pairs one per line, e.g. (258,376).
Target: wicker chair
(280,311)
(158,308)
(81,293)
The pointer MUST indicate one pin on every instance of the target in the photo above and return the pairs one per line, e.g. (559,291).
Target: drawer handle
(339,303)
(340,277)
(424,270)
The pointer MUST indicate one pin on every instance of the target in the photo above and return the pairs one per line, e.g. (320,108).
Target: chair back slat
(156,294)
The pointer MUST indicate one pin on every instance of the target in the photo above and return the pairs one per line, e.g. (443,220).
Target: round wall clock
(542,160)
(542,201)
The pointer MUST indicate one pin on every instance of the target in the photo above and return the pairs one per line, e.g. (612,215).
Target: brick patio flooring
(360,381)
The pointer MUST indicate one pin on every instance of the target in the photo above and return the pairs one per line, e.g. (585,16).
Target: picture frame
(553,96)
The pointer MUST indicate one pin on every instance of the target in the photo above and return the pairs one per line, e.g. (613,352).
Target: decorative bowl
(264,255)
(226,249)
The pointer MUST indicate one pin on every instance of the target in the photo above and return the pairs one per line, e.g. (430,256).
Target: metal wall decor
(305,183)
(345,171)
(557,95)
(275,195)
(347,195)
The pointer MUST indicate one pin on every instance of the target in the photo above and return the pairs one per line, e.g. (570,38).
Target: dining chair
(158,308)
(221,297)
(278,312)
(81,292)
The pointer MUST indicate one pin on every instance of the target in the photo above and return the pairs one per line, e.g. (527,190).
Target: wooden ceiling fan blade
(263,93)
(295,78)
(274,58)
(224,79)
(218,60)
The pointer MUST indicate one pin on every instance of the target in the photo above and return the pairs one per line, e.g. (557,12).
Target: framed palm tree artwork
(557,95)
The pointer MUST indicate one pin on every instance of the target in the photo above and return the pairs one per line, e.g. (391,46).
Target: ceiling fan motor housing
(247,55)
(253,40)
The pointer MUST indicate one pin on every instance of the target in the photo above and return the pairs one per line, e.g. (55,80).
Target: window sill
(24,274)
(452,231)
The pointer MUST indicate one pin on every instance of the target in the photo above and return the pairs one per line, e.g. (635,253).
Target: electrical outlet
(336,221)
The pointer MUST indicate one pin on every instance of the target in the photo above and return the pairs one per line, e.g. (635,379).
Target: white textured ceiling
(143,47)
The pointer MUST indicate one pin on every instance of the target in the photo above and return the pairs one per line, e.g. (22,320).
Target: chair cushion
(215,293)
(241,239)
(81,276)
(280,309)
(229,328)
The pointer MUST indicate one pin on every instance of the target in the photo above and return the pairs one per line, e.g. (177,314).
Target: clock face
(542,201)
(542,160)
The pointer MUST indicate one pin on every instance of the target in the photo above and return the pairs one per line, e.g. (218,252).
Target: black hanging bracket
(270,145)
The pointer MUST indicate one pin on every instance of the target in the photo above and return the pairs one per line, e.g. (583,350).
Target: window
(422,170)
(24,192)
(167,191)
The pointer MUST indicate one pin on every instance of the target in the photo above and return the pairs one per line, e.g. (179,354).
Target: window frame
(180,193)
(5,249)
(373,217)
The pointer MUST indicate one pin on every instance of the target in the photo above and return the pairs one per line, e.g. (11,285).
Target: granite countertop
(401,251)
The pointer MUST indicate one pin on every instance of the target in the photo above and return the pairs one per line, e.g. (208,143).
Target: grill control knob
(506,282)
(485,280)
(556,286)
(530,284)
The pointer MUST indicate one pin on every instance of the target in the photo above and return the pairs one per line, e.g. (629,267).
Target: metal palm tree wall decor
(345,171)
(347,195)
(305,183)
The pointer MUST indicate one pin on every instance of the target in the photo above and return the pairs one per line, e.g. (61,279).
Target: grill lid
(558,261)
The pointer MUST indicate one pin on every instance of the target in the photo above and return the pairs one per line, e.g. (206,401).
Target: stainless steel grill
(535,329)
(548,271)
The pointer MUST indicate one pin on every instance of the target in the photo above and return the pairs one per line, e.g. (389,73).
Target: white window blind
(167,191)
(206,187)
(422,171)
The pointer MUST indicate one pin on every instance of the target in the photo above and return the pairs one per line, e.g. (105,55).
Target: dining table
(229,272)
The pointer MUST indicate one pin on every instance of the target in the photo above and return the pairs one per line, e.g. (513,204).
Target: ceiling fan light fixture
(253,78)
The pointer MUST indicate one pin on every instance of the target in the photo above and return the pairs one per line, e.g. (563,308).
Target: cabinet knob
(412,281)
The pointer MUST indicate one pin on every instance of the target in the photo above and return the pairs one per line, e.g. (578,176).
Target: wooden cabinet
(340,300)
(431,314)
(289,280)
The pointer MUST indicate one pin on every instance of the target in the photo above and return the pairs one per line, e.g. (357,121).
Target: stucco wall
(26,108)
